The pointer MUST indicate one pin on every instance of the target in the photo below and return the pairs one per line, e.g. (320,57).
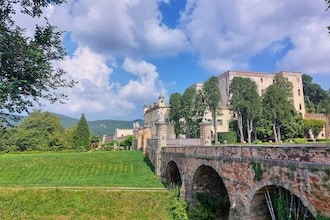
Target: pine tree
(81,136)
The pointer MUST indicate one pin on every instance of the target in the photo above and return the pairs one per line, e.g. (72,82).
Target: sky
(126,53)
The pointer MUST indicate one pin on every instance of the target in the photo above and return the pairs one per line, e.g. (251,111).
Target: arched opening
(209,195)
(275,202)
(173,177)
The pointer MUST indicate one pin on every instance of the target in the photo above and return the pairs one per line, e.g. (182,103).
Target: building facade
(262,79)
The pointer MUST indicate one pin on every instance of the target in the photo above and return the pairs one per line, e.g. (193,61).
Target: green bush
(257,141)
(178,206)
(227,137)
(299,140)
(323,140)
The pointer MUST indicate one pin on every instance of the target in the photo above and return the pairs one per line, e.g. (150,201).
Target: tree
(192,111)
(246,103)
(81,138)
(314,95)
(212,96)
(278,104)
(127,143)
(39,131)
(26,73)
(313,125)
(175,114)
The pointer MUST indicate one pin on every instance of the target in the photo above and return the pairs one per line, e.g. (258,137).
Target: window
(298,92)
(300,107)
(261,80)
(220,122)
(262,92)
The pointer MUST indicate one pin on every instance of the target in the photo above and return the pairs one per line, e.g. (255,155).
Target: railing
(319,153)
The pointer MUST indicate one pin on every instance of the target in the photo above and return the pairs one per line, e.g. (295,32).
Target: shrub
(257,141)
(299,140)
(227,137)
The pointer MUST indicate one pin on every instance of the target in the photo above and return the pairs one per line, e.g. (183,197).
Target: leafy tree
(278,105)
(26,73)
(127,143)
(188,104)
(263,129)
(81,138)
(314,125)
(192,111)
(175,114)
(39,131)
(246,103)
(212,96)
(314,95)
(292,127)
(199,110)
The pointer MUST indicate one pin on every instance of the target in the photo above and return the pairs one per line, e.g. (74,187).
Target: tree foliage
(81,138)
(246,103)
(278,104)
(175,114)
(192,111)
(212,96)
(314,96)
(313,125)
(26,71)
(40,131)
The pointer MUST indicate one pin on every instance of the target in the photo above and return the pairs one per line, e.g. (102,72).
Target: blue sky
(126,53)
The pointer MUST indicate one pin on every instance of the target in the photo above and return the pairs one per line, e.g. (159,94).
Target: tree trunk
(188,133)
(274,131)
(215,128)
(240,126)
(249,124)
(278,127)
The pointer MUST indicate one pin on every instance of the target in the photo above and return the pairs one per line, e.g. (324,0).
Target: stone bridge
(245,178)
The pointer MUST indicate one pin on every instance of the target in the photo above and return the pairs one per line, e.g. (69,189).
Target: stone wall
(302,170)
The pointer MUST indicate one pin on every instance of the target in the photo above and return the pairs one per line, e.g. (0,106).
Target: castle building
(153,113)
(263,81)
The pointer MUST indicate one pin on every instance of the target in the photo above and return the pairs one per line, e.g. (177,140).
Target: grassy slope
(82,204)
(107,169)
(117,168)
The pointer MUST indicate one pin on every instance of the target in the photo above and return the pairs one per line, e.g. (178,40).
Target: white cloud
(311,50)
(226,34)
(98,97)
(126,27)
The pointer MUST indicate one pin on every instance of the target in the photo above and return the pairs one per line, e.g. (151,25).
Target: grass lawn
(103,168)
(83,204)
(88,185)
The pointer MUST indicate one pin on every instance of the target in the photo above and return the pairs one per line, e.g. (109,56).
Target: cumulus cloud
(226,34)
(98,97)
(126,27)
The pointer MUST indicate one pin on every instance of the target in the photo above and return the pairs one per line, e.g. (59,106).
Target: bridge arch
(173,174)
(208,189)
(268,191)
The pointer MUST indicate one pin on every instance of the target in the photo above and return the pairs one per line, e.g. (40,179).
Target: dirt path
(105,188)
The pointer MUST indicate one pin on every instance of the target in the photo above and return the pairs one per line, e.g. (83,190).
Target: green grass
(83,204)
(81,186)
(107,169)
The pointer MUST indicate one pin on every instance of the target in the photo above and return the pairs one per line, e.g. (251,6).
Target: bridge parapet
(243,173)
(319,153)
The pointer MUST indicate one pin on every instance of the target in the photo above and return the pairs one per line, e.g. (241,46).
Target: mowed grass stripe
(117,168)
(84,204)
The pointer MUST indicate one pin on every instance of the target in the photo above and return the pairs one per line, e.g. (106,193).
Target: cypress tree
(81,137)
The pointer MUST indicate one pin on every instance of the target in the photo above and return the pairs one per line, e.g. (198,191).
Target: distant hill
(99,127)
